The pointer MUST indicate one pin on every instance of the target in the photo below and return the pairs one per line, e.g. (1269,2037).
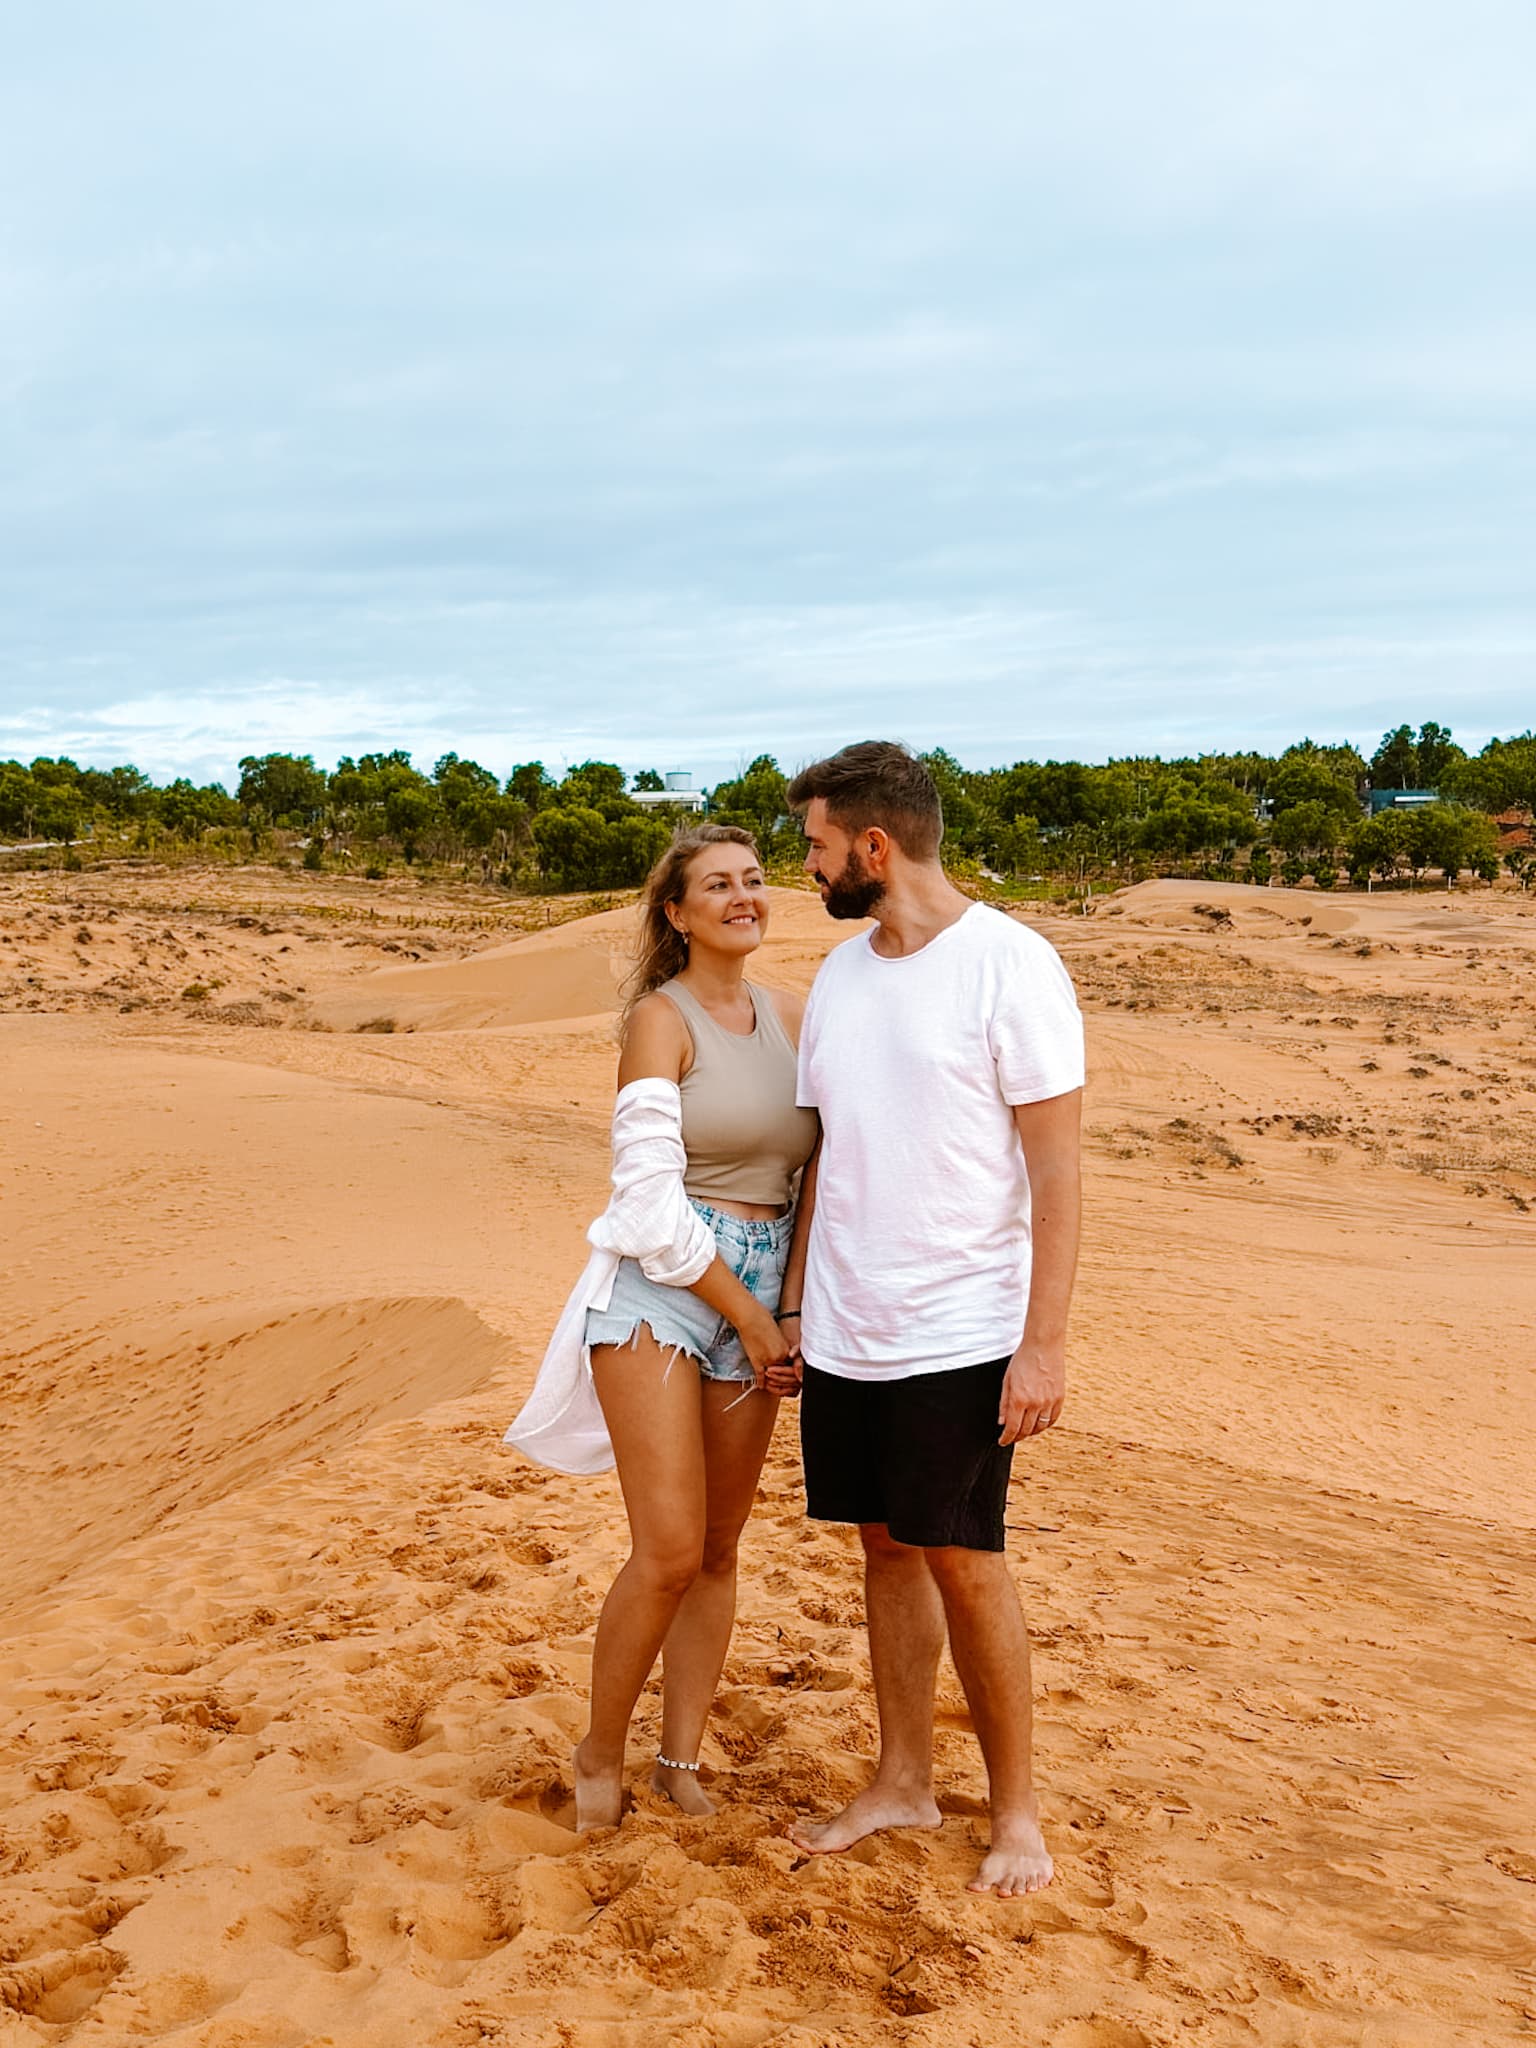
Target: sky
(672,384)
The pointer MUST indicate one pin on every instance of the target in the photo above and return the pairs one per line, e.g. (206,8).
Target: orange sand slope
(295,1650)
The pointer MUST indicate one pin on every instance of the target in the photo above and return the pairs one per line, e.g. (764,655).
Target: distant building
(679,794)
(1402,799)
(1514,828)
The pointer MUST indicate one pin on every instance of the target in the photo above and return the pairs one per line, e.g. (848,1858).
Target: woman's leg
(736,1433)
(651,1403)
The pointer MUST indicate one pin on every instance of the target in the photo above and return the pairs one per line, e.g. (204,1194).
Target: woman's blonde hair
(661,950)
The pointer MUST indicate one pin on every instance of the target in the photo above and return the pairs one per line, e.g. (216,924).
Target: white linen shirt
(648,1218)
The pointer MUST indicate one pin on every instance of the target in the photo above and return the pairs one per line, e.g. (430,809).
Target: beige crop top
(745,1138)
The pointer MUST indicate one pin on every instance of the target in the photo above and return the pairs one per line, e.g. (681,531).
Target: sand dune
(296,1651)
(574,972)
(103,1438)
(571,972)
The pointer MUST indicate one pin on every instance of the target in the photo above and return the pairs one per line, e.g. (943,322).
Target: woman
(673,1326)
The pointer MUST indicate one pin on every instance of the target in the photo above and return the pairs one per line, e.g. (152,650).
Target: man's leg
(906,1636)
(990,1645)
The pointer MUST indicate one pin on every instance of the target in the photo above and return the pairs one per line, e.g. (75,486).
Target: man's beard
(855,892)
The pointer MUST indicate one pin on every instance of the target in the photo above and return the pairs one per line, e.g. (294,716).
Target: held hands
(784,1380)
(773,1352)
(1034,1389)
(768,1348)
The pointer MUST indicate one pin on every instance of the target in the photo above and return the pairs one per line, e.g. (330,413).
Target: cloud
(683,686)
(610,380)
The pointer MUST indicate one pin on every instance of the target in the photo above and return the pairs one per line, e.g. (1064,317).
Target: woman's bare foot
(1018,1861)
(683,1789)
(876,1807)
(599,1791)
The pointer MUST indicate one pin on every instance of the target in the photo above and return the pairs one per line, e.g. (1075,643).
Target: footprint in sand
(1098,2033)
(59,1989)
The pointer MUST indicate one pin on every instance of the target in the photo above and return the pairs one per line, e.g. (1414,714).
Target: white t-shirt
(919,1251)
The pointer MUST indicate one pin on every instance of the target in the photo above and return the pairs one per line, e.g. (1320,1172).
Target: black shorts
(920,1455)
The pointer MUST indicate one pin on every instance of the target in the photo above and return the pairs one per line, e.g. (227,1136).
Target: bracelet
(788,1315)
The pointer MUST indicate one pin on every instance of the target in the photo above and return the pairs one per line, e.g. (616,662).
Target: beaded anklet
(673,1764)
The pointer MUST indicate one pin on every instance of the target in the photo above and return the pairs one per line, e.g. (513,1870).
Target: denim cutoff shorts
(755,1252)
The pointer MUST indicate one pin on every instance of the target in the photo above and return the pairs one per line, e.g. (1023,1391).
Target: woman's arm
(656,1044)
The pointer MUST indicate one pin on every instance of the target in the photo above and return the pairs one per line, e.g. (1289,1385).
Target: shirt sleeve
(1036,1032)
(649,1217)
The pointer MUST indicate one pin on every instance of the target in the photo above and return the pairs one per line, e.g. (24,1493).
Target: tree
(531,784)
(466,793)
(1395,763)
(1311,828)
(597,785)
(495,825)
(382,796)
(281,789)
(1376,844)
(578,848)
(122,792)
(181,807)
(60,815)
(1501,778)
(649,779)
(1478,844)
(456,777)
(1063,793)
(18,800)
(1343,763)
(966,819)
(1017,848)
(1190,824)
(1450,838)
(756,800)
(1436,752)
(1309,774)
(410,814)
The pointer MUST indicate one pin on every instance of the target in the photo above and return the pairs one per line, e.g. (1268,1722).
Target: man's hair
(876,782)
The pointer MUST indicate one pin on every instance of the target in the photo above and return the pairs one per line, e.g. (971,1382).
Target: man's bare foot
(873,1809)
(1018,1861)
(599,1792)
(683,1789)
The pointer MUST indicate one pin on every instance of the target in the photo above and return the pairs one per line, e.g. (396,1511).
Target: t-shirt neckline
(906,959)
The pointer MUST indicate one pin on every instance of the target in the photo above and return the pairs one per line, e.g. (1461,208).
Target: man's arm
(793,1290)
(785,1379)
(1036,1383)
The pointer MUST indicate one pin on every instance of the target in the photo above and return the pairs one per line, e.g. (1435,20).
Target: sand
(293,1651)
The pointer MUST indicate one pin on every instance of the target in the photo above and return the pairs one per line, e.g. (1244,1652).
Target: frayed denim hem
(674,1349)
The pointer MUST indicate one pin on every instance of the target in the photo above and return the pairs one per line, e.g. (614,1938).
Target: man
(931,1271)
